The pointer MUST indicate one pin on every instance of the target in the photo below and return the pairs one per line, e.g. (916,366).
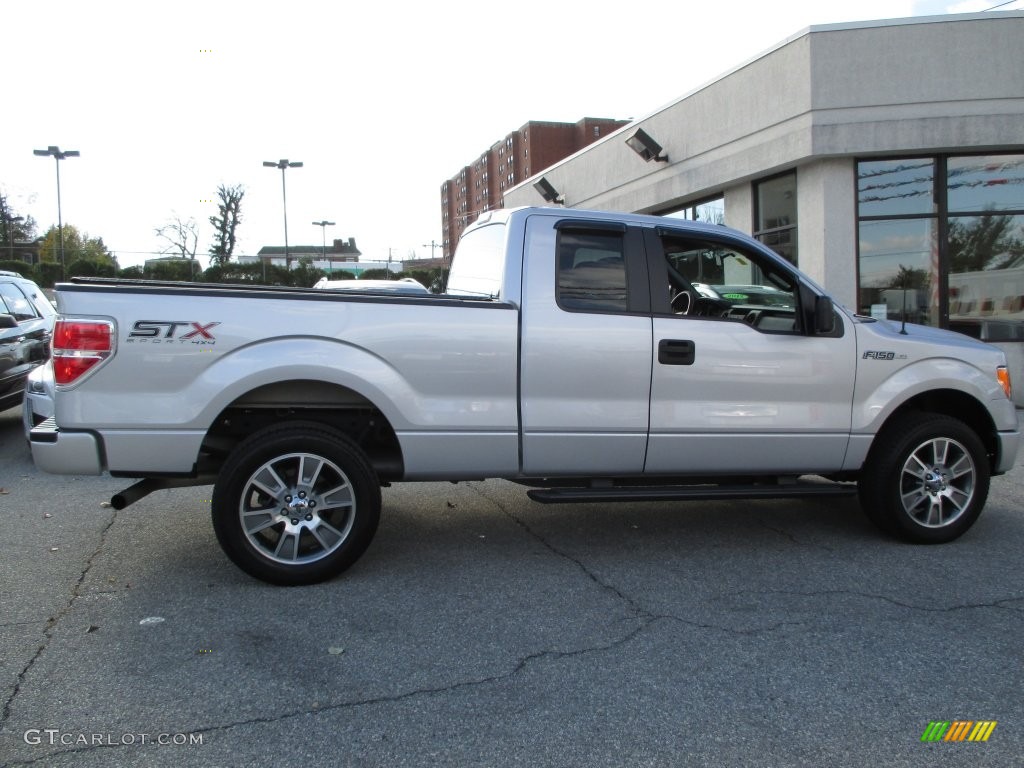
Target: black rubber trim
(102,285)
(592,225)
(44,432)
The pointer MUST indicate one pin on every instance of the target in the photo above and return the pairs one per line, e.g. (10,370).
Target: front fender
(876,399)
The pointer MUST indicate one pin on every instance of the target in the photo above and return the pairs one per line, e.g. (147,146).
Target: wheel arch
(329,403)
(958,405)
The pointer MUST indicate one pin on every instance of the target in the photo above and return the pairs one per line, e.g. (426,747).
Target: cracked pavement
(482,629)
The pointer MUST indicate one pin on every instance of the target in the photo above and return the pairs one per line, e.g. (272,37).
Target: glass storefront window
(776,215)
(985,183)
(899,270)
(980,213)
(896,187)
(986,281)
(710,211)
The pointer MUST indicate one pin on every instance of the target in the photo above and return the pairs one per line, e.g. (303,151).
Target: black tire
(296,504)
(925,479)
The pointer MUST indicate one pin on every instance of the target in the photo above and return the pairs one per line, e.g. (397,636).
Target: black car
(26,325)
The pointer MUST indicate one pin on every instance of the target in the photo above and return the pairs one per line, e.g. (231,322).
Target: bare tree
(229,214)
(182,237)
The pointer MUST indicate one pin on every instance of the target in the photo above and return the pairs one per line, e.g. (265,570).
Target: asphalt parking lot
(483,630)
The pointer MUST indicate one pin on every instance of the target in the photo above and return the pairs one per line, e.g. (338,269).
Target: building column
(827,226)
(739,208)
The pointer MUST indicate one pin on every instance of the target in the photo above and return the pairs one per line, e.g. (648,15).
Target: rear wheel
(926,479)
(296,504)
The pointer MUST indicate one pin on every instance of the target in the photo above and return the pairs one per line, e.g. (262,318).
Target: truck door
(740,382)
(586,348)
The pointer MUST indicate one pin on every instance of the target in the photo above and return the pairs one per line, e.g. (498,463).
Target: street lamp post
(323,231)
(57,155)
(283,164)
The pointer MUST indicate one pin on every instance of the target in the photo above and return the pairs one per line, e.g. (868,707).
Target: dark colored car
(26,325)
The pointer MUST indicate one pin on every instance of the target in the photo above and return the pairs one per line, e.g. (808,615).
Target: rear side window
(592,272)
(479,265)
(16,303)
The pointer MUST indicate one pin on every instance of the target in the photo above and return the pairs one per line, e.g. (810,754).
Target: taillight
(79,346)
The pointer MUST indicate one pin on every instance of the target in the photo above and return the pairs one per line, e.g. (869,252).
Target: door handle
(676,352)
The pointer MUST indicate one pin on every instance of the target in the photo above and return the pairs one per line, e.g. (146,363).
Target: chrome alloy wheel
(297,508)
(937,482)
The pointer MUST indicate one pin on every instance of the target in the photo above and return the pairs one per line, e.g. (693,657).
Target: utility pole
(432,245)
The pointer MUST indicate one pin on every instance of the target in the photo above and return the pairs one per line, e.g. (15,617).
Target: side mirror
(824,316)
(8,321)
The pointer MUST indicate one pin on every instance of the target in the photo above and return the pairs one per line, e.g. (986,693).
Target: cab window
(715,280)
(14,302)
(592,272)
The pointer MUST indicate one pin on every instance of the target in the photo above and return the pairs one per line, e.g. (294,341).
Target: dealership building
(884,158)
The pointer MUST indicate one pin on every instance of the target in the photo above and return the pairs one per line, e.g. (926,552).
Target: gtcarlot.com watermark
(56,737)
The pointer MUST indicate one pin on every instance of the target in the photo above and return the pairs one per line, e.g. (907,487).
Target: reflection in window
(776,215)
(986,250)
(899,273)
(896,187)
(14,302)
(986,255)
(710,211)
(980,212)
(591,272)
(989,183)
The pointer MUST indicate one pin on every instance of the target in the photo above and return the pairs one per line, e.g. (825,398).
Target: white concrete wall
(827,226)
(903,86)
(739,208)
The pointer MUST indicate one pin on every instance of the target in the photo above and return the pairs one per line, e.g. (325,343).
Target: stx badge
(172,332)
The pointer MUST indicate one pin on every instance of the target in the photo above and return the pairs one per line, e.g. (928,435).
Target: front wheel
(296,504)
(926,479)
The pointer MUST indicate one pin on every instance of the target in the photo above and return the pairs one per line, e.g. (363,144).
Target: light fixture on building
(641,143)
(548,192)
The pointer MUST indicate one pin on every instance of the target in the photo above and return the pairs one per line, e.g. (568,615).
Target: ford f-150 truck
(594,356)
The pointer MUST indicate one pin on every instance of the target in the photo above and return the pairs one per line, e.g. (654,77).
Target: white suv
(26,324)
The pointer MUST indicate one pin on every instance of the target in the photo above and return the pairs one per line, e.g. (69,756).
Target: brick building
(480,186)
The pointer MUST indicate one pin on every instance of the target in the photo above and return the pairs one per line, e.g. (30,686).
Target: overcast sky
(382,101)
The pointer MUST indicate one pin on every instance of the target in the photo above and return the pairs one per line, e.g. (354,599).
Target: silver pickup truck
(594,356)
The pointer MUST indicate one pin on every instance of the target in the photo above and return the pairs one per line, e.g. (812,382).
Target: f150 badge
(172,332)
(876,355)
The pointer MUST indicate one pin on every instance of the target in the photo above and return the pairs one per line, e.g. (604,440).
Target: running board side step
(688,493)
